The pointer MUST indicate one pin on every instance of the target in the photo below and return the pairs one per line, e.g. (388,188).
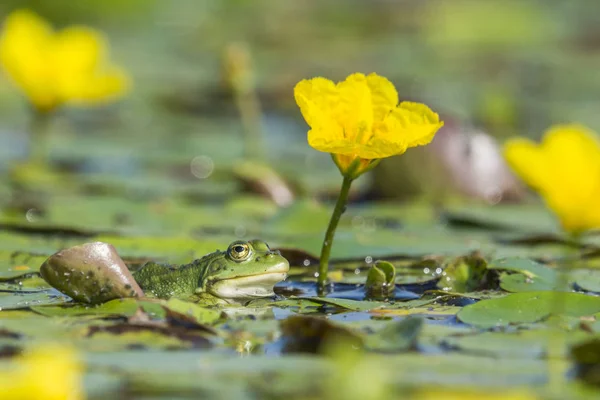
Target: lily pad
(354,305)
(117,307)
(527,307)
(528,276)
(192,312)
(587,279)
(14,301)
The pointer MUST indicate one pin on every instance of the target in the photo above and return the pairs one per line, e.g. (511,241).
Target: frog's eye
(239,251)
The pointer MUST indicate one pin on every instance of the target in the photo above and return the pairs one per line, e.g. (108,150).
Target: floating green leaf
(527,276)
(117,307)
(526,307)
(192,312)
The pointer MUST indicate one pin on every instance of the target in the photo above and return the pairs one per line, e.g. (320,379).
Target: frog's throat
(235,288)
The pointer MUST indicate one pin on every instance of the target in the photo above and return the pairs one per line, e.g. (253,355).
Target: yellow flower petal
(70,66)
(525,158)
(81,67)
(384,95)
(24,54)
(565,170)
(316,97)
(78,50)
(49,372)
(418,121)
(355,109)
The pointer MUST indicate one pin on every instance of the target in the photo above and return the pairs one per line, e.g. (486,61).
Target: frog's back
(164,281)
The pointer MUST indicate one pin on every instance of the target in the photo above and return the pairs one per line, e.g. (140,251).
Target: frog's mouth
(246,287)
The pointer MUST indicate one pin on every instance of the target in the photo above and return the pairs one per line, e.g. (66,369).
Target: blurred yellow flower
(472,394)
(359,119)
(54,68)
(565,170)
(49,372)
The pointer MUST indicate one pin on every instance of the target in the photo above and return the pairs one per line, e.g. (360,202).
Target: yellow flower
(54,68)
(49,372)
(471,394)
(565,170)
(360,121)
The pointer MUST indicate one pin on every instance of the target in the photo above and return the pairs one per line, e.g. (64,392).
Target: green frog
(246,270)
(94,273)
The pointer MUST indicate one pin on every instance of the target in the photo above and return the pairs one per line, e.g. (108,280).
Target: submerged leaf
(308,334)
(587,358)
(397,336)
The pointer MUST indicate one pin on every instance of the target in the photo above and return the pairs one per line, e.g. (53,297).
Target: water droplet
(32,215)
(316,274)
(240,231)
(306,262)
(202,167)
(438,270)
(368,259)
(357,271)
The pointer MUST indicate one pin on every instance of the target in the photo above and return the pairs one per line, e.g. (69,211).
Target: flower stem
(249,108)
(38,127)
(340,207)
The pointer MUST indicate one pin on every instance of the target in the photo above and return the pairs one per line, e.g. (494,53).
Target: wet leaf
(466,274)
(354,305)
(191,313)
(117,307)
(586,279)
(526,307)
(381,281)
(14,264)
(14,301)
(141,336)
(528,276)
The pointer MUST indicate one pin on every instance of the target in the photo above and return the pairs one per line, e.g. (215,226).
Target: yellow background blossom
(53,68)
(565,170)
(360,117)
(49,372)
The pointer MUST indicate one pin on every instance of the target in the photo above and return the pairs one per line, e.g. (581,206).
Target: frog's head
(245,271)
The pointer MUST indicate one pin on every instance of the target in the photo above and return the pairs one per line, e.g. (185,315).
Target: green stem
(249,108)
(339,209)
(38,135)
